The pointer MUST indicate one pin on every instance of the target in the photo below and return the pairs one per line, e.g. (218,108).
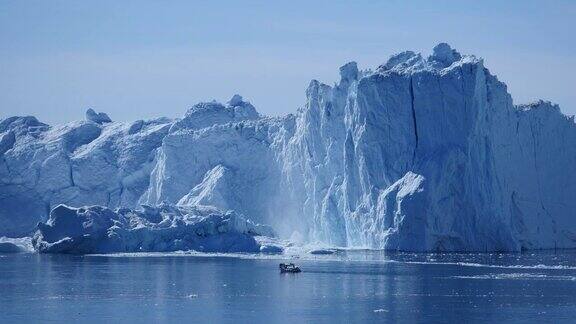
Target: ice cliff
(421,154)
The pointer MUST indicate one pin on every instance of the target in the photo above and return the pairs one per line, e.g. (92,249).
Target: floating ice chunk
(271,249)
(322,251)
(98,229)
(15,245)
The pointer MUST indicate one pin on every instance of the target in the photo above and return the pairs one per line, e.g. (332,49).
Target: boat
(289,267)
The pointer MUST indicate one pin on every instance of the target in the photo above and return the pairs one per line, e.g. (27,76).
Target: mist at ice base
(421,154)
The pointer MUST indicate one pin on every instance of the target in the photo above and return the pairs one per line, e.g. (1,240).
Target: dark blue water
(349,287)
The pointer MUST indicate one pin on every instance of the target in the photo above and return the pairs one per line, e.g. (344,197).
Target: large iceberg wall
(76,164)
(422,154)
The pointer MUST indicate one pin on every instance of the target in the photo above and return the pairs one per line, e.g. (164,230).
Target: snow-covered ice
(98,229)
(16,245)
(421,154)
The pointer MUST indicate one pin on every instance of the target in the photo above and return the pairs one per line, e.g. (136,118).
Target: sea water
(344,287)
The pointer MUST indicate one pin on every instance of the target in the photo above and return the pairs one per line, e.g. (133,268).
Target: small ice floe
(15,245)
(518,276)
(271,249)
(322,251)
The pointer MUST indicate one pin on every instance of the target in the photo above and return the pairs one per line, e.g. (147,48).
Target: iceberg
(16,245)
(97,229)
(420,154)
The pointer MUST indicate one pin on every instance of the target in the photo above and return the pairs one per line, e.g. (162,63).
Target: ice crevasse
(420,154)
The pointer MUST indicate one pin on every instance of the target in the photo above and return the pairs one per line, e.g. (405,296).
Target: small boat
(290,267)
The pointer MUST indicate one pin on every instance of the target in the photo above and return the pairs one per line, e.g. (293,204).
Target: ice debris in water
(99,229)
(15,245)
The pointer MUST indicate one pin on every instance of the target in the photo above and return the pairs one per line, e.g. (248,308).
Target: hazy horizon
(143,59)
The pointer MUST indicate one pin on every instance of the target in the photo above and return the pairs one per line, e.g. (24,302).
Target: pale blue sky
(140,59)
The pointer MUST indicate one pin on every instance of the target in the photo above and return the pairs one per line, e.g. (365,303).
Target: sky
(143,59)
